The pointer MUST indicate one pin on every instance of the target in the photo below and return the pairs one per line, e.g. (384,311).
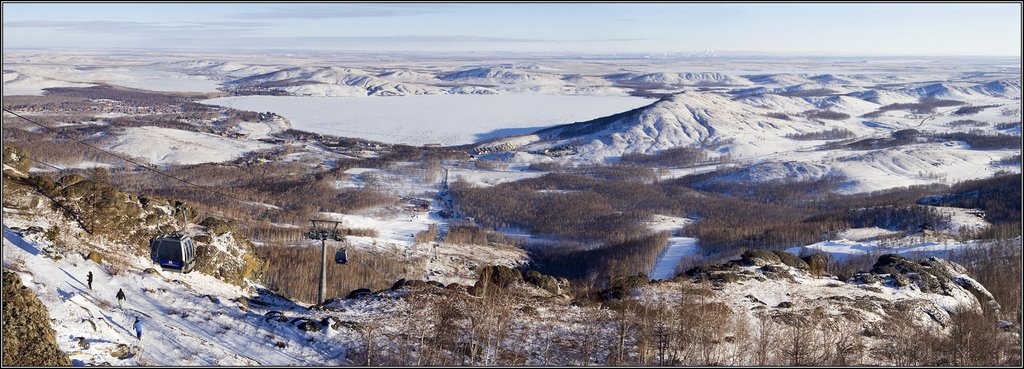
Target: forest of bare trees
(690,326)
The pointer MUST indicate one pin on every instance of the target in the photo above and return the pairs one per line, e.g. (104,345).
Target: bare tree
(842,343)
(701,325)
(739,353)
(369,330)
(664,335)
(903,343)
(974,339)
(763,340)
(624,325)
(798,342)
(644,322)
(587,322)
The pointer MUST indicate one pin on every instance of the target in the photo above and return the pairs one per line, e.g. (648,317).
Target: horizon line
(665,54)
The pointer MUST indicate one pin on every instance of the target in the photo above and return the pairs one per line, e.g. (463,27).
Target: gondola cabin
(341,257)
(173,252)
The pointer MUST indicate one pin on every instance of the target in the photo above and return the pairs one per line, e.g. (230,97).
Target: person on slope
(89,277)
(120,297)
(138,327)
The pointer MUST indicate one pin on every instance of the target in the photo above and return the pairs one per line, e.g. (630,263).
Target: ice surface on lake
(443,119)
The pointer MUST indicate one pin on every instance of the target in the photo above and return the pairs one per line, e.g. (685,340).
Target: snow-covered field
(677,249)
(442,119)
(876,241)
(172,84)
(31,79)
(482,177)
(166,146)
(18,84)
(844,249)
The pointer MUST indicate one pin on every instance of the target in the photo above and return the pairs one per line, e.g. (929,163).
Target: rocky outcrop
(498,276)
(930,275)
(28,339)
(123,218)
(229,257)
(931,290)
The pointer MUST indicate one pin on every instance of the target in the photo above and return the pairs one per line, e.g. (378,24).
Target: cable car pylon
(322,230)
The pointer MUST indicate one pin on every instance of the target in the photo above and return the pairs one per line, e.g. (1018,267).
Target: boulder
(307,325)
(755,257)
(17,158)
(545,282)
(503,276)
(331,322)
(94,256)
(217,226)
(398,284)
(243,303)
(275,316)
(776,272)
(359,294)
(621,286)
(70,180)
(351,325)
(791,260)
(166,228)
(816,264)
(122,351)
(457,287)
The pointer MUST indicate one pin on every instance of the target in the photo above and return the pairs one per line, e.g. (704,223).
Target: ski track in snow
(678,247)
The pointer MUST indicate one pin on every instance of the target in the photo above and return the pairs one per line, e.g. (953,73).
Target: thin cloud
(342,11)
(133,27)
(440,39)
(331,42)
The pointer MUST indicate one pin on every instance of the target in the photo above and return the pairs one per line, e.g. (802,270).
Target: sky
(992,29)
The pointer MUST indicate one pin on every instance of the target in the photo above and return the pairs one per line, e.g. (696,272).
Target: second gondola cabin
(173,252)
(341,257)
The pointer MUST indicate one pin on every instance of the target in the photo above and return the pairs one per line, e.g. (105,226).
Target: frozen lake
(442,119)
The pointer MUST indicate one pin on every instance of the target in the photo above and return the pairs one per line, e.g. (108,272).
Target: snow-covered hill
(330,81)
(1008,88)
(19,84)
(674,79)
(502,75)
(166,146)
(779,171)
(217,68)
(690,118)
(778,80)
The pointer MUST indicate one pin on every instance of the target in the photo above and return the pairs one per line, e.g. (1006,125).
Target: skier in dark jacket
(120,297)
(138,328)
(89,277)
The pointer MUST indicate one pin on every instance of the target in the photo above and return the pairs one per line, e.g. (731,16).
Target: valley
(536,211)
